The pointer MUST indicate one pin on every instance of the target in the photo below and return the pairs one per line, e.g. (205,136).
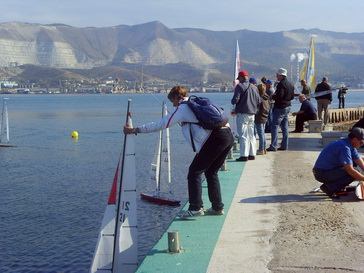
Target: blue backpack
(209,116)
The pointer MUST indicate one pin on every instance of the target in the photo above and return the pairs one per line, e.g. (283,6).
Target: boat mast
(160,153)
(117,216)
(168,144)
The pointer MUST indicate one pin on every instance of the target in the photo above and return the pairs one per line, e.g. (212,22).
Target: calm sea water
(53,190)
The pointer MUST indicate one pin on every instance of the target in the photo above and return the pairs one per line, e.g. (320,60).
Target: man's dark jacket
(323,86)
(284,94)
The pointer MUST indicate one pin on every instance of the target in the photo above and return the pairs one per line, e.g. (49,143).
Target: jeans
(260,131)
(209,161)
(335,179)
(270,119)
(245,127)
(280,118)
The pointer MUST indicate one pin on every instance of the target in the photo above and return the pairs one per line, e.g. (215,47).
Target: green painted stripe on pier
(198,236)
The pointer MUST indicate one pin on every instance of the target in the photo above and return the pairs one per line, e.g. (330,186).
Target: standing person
(270,91)
(334,166)
(324,100)
(269,88)
(341,96)
(253,81)
(306,112)
(246,100)
(306,90)
(261,118)
(282,105)
(212,147)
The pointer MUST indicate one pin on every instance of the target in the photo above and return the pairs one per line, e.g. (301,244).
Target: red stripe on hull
(159,200)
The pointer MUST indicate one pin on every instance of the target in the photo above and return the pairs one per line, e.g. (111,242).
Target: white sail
(126,246)
(161,165)
(4,131)
(102,261)
(237,67)
(155,166)
(116,249)
(165,158)
(104,251)
(237,61)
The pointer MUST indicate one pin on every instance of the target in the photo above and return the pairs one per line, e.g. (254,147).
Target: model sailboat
(117,249)
(161,170)
(4,126)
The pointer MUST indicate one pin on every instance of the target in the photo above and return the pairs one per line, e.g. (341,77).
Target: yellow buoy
(74,134)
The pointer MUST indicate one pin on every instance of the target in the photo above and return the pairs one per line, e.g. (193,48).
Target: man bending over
(334,166)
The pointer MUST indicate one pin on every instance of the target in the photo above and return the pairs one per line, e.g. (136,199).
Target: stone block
(314,126)
(330,136)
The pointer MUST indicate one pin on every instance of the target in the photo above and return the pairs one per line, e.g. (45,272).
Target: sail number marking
(125,207)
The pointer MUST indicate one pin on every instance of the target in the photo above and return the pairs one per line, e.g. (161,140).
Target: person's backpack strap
(192,142)
(243,91)
(242,87)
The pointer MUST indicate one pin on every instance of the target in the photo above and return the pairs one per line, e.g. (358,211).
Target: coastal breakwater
(340,117)
(346,114)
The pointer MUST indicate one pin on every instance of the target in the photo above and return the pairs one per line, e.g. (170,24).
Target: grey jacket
(246,98)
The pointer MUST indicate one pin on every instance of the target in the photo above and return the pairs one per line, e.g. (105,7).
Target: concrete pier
(272,222)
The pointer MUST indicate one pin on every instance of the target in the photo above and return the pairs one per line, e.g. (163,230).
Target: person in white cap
(282,106)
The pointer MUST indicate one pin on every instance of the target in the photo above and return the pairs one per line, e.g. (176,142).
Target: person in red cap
(246,100)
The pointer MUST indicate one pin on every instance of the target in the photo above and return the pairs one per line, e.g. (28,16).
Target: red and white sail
(117,247)
(126,247)
(103,255)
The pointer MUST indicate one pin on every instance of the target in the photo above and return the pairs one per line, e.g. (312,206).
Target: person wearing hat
(324,100)
(334,167)
(341,95)
(246,100)
(253,81)
(282,106)
(270,91)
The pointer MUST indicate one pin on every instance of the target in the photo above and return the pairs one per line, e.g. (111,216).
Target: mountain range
(60,51)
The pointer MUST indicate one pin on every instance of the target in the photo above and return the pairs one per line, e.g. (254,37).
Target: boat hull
(159,200)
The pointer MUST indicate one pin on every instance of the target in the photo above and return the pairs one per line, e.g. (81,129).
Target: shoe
(191,213)
(242,158)
(271,149)
(296,131)
(265,151)
(329,193)
(261,152)
(281,149)
(211,211)
(251,157)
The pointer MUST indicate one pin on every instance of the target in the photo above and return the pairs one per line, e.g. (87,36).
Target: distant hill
(182,54)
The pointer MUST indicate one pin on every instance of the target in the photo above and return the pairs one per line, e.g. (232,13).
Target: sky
(229,15)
